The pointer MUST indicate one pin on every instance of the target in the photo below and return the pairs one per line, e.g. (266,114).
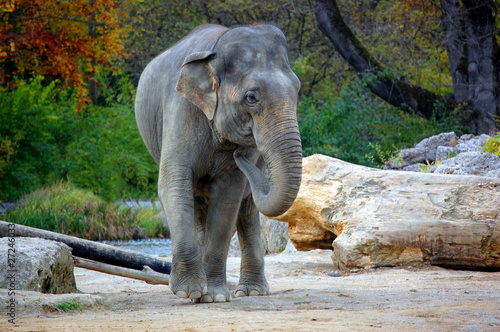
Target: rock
(274,237)
(34,302)
(444,152)
(471,143)
(430,156)
(385,218)
(471,163)
(234,246)
(432,143)
(42,265)
(413,168)
(425,151)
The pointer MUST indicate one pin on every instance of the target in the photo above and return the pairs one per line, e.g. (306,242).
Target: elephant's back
(156,88)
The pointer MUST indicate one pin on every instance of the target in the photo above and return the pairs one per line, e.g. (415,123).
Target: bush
(62,208)
(360,128)
(32,137)
(493,145)
(109,156)
(43,140)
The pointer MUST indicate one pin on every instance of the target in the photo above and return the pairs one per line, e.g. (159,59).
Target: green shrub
(65,209)
(109,156)
(493,145)
(43,140)
(32,137)
(360,128)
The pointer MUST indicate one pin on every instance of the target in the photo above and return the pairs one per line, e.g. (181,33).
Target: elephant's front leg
(187,278)
(226,194)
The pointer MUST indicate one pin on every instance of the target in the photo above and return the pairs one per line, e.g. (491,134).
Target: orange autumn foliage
(68,39)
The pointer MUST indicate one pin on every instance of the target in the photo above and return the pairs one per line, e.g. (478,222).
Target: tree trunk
(454,36)
(93,35)
(391,89)
(483,60)
(9,66)
(93,250)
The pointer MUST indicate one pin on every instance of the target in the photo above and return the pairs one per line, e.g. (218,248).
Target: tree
(68,39)
(474,55)
(482,85)
(153,27)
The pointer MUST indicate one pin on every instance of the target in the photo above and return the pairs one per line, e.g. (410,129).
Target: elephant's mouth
(275,190)
(257,179)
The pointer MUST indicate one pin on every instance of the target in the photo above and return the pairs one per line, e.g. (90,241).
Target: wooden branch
(147,274)
(94,250)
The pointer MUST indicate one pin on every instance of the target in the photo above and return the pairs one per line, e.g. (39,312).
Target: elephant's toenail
(195,295)
(240,293)
(207,299)
(181,294)
(254,292)
(220,298)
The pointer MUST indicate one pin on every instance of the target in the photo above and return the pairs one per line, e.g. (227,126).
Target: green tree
(483,58)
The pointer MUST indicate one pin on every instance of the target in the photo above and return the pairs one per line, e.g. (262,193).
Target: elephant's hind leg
(252,279)
(226,194)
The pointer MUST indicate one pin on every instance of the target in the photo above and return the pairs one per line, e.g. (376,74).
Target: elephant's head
(247,88)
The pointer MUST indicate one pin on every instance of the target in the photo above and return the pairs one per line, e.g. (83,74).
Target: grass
(65,209)
(66,306)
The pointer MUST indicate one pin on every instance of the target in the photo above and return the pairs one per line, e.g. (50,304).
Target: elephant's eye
(252,97)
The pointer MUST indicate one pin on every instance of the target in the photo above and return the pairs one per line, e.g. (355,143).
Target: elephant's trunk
(282,151)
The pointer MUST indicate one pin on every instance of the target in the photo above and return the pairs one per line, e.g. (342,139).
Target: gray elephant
(215,110)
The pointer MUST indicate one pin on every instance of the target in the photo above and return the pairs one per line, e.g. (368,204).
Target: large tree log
(93,250)
(380,218)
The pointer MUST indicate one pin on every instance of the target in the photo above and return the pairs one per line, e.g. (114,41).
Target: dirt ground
(306,295)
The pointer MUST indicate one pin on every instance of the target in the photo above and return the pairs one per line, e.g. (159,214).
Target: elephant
(217,112)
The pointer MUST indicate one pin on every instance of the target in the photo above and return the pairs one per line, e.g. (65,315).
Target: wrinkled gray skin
(211,108)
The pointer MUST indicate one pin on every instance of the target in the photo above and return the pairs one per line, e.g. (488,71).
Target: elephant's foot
(188,285)
(255,287)
(216,294)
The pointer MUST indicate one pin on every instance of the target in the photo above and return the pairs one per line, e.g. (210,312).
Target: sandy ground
(305,296)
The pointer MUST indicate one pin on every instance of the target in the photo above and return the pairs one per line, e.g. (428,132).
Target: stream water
(158,247)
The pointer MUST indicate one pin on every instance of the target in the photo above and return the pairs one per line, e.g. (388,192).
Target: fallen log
(92,250)
(147,274)
(375,218)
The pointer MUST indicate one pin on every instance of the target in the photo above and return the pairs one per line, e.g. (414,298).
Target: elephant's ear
(198,84)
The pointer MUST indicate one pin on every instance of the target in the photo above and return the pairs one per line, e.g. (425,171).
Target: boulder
(274,237)
(446,153)
(425,151)
(372,218)
(470,143)
(471,163)
(40,265)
